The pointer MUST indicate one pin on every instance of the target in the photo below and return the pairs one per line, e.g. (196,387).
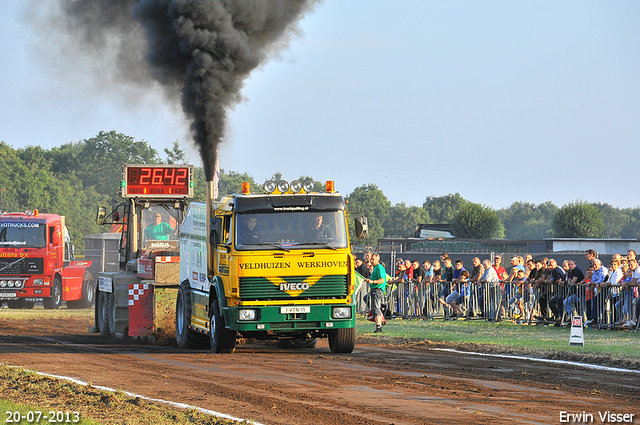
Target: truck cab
(37,264)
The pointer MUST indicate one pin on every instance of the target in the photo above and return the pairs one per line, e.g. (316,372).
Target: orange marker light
(246,188)
(330,186)
(36,212)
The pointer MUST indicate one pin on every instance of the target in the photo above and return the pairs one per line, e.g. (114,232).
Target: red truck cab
(36,263)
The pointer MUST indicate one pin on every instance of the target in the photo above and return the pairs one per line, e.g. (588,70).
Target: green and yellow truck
(272,265)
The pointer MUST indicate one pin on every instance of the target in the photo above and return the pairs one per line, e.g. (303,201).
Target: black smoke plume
(202,49)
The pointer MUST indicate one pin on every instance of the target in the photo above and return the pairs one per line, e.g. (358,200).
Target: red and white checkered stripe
(167,259)
(136,290)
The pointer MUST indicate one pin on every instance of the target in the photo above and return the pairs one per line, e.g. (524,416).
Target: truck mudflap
(291,318)
(72,278)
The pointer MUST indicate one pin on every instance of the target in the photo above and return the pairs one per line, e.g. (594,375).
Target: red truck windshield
(21,234)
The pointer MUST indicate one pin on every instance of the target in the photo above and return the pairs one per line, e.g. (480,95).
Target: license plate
(295,310)
(8,295)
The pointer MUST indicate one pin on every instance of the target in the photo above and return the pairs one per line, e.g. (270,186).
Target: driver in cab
(319,231)
(249,235)
(159,231)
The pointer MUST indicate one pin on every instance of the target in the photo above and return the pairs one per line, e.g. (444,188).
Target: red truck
(37,264)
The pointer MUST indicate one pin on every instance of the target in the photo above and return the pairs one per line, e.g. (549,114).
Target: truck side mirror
(214,237)
(100,215)
(214,234)
(362,227)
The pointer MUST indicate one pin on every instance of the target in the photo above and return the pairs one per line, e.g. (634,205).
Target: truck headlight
(296,186)
(10,284)
(19,283)
(3,283)
(283,186)
(37,281)
(341,313)
(247,314)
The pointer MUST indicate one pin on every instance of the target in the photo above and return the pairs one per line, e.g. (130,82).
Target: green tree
(578,220)
(402,220)
(616,221)
(13,173)
(231,182)
(176,154)
(98,161)
(442,209)
(29,183)
(631,229)
(370,201)
(524,220)
(475,221)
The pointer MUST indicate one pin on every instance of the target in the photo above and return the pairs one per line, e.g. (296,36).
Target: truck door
(223,250)
(55,244)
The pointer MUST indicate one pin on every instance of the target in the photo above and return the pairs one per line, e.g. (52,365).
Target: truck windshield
(159,227)
(22,234)
(291,230)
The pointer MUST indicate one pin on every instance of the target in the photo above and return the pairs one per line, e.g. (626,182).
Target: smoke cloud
(198,50)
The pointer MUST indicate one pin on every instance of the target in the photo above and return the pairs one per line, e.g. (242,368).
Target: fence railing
(602,308)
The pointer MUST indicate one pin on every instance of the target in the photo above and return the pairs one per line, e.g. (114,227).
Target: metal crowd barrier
(545,303)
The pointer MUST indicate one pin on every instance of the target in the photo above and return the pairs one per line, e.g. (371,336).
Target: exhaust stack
(208,188)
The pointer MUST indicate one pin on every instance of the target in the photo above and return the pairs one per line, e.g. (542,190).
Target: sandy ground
(408,382)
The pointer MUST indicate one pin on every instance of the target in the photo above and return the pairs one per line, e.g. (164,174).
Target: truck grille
(260,288)
(26,266)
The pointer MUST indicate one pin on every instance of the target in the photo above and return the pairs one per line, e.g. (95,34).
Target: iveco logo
(302,286)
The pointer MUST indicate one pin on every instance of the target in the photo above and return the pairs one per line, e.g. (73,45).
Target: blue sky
(499,101)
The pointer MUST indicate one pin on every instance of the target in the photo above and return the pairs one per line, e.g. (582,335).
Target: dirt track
(378,383)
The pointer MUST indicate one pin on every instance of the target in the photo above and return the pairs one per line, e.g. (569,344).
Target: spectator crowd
(531,291)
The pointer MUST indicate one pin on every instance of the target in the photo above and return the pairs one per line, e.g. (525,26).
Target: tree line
(75,178)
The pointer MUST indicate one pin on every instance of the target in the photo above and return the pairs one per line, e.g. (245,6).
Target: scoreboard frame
(157,181)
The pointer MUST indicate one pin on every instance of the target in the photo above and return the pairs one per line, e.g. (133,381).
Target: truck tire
(55,300)
(88,291)
(185,336)
(102,313)
(222,339)
(342,340)
(112,313)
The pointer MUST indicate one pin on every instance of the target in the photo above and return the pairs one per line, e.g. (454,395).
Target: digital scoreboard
(157,181)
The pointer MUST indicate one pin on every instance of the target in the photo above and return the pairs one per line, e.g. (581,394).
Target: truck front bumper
(291,318)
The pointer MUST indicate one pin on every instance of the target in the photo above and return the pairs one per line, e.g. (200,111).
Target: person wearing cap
(517,264)
(160,230)
(497,265)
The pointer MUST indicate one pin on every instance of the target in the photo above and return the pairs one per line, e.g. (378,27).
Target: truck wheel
(88,291)
(222,339)
(112,313)
(184,336)
(342,340)
(55,300)
(102,313)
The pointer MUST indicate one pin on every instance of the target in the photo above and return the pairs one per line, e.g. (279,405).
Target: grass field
(506,335)
(30,393)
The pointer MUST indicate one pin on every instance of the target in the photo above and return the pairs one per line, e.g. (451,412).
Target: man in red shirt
(497,265)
